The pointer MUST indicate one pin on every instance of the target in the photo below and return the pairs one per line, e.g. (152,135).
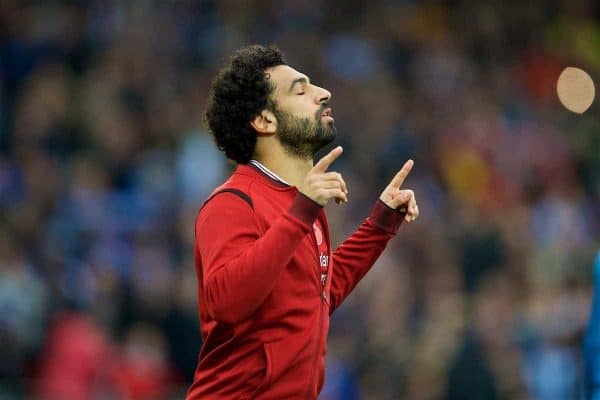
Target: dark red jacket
(263,311)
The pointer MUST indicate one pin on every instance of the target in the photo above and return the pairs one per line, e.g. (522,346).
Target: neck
(291,169)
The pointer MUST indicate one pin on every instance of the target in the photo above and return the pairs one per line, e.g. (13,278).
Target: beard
(303,137)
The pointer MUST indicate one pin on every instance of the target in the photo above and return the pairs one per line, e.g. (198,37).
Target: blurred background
(104,162)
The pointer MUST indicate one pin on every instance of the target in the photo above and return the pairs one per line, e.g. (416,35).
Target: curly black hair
(239,92)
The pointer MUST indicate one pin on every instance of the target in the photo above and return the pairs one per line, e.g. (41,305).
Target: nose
(323,95)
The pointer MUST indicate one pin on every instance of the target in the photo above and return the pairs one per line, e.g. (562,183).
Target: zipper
(317,353)
(323,298)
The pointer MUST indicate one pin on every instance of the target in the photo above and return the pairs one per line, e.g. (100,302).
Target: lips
(326,113)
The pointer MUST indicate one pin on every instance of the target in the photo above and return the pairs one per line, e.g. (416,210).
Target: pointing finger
(398,180)
(327,160)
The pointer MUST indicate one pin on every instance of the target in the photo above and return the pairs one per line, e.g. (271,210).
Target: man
(267,278)
(591,343)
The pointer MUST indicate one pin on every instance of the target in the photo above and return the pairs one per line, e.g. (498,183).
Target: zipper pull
(325,296)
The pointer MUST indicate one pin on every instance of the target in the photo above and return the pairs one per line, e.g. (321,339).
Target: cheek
(299,106)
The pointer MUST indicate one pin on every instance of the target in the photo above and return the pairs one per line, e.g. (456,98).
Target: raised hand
(401,199)
(320,185)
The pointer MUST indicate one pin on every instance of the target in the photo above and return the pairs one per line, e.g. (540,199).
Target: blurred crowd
(105,160)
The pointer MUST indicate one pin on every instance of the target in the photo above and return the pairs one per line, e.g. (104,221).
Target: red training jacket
(264,313)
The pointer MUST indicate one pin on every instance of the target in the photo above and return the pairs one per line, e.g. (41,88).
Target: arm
(357,254)
(353,259)
(239,266)
(592,339)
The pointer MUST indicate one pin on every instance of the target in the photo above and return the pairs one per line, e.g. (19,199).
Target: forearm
(357,254)
(241,267)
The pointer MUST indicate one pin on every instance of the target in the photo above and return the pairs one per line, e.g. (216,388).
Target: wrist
(305,208)
(385,217)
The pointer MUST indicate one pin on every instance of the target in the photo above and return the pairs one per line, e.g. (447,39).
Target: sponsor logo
(318,234)
(324,260)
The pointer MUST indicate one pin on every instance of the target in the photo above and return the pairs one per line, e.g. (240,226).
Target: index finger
(398,180)
(327,160)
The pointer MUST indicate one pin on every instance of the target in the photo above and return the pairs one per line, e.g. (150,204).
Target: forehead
(282,76)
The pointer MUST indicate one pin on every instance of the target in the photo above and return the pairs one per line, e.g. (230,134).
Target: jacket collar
(267,171)
(254,171)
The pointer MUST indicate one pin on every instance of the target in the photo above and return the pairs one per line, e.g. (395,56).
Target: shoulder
(235,189)
(228,207)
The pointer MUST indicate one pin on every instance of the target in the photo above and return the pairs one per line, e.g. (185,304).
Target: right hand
(320,185)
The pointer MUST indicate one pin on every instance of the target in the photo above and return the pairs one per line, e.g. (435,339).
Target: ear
(264,123)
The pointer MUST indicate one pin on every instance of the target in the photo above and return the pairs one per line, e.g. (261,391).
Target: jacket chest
(311,262)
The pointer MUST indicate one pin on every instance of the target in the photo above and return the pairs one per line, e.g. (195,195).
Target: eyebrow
(302,79)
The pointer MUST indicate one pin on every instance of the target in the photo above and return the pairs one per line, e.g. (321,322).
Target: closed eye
(300,94)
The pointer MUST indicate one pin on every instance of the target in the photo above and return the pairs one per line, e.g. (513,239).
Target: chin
(326,136)
(330,131)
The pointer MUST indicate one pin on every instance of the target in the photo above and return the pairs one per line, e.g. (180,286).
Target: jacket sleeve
(591,343)
(357,254)
(239,265)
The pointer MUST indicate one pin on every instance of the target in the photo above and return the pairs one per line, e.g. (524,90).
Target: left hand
(401,199)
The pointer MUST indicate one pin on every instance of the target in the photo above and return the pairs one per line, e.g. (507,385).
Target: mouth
(327,115)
